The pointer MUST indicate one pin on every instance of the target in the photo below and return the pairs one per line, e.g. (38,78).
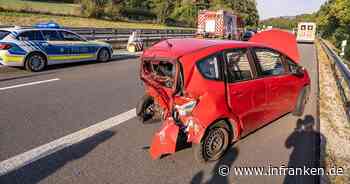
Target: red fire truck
(219,24)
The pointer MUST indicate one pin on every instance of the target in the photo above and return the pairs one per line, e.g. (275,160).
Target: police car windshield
(3,34)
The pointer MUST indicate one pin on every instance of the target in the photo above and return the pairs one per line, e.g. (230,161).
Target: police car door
(80,48)
(56,48)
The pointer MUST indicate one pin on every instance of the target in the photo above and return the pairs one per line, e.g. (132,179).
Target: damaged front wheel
(147,110)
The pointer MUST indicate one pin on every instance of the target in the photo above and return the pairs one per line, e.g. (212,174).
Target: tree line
(169,12)
(333,20)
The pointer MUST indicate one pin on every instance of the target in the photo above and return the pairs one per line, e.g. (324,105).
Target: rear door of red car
(246,96)
(273,71)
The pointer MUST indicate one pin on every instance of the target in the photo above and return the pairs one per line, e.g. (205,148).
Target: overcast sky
(276,8)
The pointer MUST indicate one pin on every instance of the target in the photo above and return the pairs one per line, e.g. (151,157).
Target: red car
(210,93)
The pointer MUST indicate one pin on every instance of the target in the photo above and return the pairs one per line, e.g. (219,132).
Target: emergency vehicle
(219,24)
(306,32)
(48,44)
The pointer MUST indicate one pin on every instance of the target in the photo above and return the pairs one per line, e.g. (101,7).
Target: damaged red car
(210,93)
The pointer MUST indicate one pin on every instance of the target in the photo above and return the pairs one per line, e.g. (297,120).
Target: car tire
(35,62)
(214,143)
(145,109)
(103,55)
(301,101)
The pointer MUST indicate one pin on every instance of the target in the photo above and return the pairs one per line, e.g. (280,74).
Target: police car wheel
(103,55)
(35,62)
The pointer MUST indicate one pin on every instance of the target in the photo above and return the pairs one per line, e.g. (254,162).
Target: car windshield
(162,72)
(3,34)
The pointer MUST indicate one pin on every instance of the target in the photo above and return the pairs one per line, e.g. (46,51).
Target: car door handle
(45,44)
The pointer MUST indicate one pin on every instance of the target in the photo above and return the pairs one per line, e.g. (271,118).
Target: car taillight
(4,46)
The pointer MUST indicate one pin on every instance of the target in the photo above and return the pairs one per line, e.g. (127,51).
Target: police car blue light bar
(52,25)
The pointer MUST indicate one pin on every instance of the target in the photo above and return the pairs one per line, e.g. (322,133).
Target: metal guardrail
(342,74)
(123,34)
(118,38)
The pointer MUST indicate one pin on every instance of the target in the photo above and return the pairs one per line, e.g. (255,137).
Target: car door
(80,48)
(271,68)
(57,49)
(246,96)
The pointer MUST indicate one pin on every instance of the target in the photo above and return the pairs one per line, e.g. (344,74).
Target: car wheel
(103,55)
(35,62)
(301,101)
(214,143)
(145,109)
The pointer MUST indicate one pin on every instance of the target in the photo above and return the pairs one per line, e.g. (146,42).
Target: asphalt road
(86,94)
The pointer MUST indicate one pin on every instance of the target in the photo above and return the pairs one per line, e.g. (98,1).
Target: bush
(93,8)
(58,1)
(138,14)
(347,51)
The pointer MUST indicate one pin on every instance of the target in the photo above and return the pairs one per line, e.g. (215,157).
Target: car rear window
(162,72)
(3,34)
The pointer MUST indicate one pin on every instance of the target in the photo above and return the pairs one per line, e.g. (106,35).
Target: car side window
(238,66)
(30,36)
(51,35)
(67,36)
(270,62)
(293,67)
(209,67)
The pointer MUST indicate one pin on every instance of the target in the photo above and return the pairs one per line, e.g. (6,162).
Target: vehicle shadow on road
(306,145)
(225,162)
(44,167)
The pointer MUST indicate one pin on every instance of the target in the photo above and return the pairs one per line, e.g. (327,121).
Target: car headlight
(186,109)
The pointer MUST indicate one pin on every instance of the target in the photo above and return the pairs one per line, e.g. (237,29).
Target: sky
(276,8)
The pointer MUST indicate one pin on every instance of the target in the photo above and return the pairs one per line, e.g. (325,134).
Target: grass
(37,6)
(28,19)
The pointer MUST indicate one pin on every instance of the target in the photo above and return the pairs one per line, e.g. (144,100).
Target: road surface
(71,98)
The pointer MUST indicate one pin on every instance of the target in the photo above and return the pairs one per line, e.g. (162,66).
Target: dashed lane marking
(29,84)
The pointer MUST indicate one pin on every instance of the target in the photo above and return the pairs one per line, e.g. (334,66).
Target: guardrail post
(115,32)
(93,34)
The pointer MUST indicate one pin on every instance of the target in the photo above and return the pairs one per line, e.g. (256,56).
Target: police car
(47,44)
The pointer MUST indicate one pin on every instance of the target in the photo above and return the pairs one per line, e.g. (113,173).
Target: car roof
(175,48)
(21,29)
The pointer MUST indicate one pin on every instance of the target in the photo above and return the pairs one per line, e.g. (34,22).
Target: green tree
(185,11)
(93,8)
(163,9)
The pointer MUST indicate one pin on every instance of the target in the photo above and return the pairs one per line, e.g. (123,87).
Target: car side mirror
(298,71)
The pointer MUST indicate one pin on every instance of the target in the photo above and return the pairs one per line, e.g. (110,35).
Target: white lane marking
(35,154)
(29,84)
